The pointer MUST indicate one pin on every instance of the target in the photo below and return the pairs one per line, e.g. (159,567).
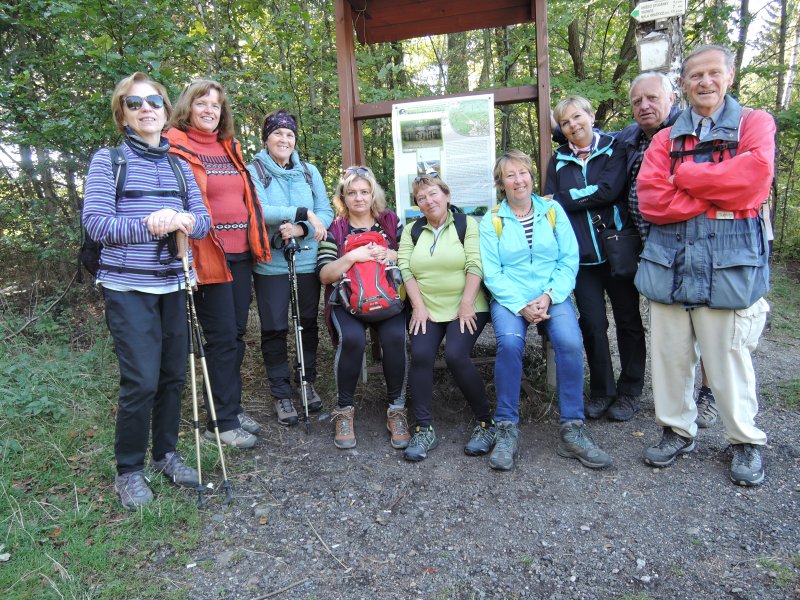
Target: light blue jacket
(287,191)
(515,273)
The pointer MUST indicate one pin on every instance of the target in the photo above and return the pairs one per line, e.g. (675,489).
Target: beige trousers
(726,339)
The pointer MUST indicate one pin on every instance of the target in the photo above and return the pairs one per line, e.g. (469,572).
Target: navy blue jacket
(593,194)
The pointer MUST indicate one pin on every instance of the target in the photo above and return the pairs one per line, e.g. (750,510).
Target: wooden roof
(392,20)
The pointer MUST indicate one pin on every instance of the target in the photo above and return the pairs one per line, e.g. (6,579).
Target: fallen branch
(346,568)
(46,310)
(283,589)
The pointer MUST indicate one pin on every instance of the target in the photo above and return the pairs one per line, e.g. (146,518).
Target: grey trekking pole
(196,351)
(290,249)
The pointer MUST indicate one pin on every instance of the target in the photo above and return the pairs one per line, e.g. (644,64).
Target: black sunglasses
(422,178)
(136,102)
(356,171)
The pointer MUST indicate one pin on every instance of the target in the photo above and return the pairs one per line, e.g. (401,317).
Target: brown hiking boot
(397,424)
(345,436)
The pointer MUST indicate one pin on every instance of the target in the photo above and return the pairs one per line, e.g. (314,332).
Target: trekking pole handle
(182,241)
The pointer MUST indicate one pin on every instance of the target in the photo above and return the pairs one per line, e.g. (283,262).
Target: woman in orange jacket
(201,132)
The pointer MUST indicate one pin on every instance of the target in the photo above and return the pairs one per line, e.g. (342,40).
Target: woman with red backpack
(361,211)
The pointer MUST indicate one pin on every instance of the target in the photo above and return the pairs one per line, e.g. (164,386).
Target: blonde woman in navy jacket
(587,176)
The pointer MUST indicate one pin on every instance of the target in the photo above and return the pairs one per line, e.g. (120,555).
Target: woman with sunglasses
(201,133)
(530,257)
(361,206)
(295,205)
(143,284)
(442,275)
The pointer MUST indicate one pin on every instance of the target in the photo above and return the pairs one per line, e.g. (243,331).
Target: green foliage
(61,60)
(62,525)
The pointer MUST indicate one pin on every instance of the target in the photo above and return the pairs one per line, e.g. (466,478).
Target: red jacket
(737,185)
(209,257)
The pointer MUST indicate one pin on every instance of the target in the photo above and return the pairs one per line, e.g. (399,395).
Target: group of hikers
(668,208)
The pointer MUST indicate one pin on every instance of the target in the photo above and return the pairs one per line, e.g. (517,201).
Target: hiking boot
(235,438)
(747,468)
(624,407)
(397,424)
(179,472)
(345,436)
(506,446)
(596,406)
(423,441)
(668,449)
(707,413)
(287,415)
(312,397)
(133,490)
(248,423)
(577,443)
(482,440)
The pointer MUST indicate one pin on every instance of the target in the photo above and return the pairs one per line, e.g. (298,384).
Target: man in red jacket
(704,266)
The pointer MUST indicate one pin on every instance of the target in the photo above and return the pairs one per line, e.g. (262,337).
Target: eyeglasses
(136,102)
(422,178)
(357,171)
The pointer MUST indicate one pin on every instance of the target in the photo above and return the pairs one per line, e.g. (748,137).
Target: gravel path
(317,522)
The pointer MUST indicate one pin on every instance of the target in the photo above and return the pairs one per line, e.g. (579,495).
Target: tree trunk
(575,49)
(627,54)
(744,25)
(457,65)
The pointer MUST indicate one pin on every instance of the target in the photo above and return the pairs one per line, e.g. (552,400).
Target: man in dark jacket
(652,99)
(652,103)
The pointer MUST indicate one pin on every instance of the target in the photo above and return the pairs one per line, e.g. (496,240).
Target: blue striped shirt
(119,227)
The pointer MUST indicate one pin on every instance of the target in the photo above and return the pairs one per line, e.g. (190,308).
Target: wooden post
(352,140)
(539,12)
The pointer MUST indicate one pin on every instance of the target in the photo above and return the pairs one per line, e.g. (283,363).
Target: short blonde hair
(198,88)
(429,181)
(350,175)
(578,102)
(121,91)
(507,157)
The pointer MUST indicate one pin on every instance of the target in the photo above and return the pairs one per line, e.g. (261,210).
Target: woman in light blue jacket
(529,265)
(295,205)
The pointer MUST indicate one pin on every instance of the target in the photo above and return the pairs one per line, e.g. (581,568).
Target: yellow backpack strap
(551,216)
(497,221)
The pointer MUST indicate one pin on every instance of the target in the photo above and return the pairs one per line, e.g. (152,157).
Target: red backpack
(368,289)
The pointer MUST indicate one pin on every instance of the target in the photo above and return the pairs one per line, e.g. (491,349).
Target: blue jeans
(565,335)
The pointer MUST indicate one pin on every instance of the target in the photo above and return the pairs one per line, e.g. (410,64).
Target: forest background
(60,60)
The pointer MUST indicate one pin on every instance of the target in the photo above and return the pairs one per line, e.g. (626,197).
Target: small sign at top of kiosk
(655,10)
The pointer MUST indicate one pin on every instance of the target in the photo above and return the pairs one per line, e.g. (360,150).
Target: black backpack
(89,255)
(459,220)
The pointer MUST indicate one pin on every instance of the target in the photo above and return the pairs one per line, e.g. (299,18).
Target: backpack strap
(497,220)
(306,172)
(261,170)
(180,177)
(459,220)
(551,217)
(119,167)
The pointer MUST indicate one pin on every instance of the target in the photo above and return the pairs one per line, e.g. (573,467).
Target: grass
(783,573)
(62,527)
(784,301)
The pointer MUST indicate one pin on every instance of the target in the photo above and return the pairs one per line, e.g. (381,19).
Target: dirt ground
(311,521)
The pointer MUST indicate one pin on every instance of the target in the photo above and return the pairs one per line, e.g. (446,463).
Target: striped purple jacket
(119,227)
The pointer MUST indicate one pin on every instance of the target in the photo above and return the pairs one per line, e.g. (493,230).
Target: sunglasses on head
(136,102)
(431,175)
(356,171)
